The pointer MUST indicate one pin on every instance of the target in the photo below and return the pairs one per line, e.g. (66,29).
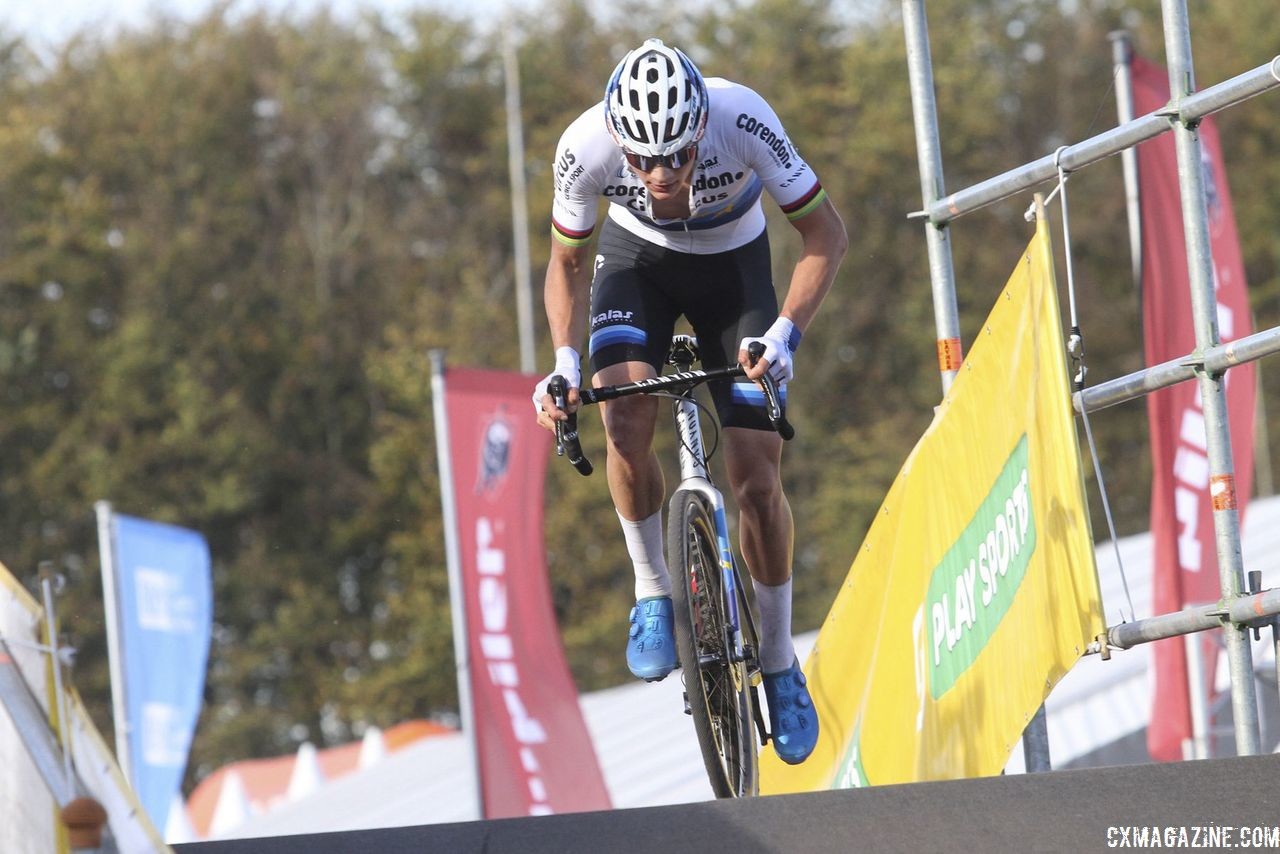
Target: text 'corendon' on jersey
(779,144)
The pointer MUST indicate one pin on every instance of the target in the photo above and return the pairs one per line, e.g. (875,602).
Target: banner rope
(1075,349)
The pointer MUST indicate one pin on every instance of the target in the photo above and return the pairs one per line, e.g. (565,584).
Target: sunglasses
(674,160)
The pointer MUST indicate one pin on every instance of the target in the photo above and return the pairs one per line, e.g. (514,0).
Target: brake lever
(567,431)
(775,410)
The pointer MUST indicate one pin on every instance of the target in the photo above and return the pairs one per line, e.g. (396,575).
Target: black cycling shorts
(640,289)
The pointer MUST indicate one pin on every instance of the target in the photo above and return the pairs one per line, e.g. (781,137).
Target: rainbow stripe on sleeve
(570,237)
(805,204)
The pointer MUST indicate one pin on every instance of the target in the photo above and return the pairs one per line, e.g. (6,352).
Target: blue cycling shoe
(651,647)
(792,718)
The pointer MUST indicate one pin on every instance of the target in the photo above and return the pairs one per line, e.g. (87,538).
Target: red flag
(534,753)
(1185,571)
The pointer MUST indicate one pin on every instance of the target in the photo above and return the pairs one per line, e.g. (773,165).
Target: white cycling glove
(780,342)
(567,366)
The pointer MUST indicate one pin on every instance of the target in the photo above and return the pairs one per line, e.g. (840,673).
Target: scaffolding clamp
(1102,645)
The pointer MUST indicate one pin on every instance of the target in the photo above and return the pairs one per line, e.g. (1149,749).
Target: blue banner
(165,599)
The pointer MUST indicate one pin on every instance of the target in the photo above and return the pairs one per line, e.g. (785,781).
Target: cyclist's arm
(825,242)
(565,293)
(762,143)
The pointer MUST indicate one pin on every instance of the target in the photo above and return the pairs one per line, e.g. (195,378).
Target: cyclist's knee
(629,425)
(757,487)
(754,464)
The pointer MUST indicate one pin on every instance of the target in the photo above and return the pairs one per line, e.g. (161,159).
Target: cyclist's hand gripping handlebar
(567,431)
(777,415)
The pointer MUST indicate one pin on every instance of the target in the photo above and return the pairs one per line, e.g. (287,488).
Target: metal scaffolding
(1239,610)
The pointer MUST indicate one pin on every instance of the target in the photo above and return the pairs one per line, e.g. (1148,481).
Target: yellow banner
(975,589)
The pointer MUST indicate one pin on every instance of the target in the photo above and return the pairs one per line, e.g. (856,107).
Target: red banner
(1182,498)
(535,755)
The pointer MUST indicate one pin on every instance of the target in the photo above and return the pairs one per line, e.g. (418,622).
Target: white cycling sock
(644,544)
(776,649)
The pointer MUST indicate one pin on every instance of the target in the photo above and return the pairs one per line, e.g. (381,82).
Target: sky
(49,22)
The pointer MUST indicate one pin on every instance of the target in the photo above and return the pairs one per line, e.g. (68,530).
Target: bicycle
(716,636)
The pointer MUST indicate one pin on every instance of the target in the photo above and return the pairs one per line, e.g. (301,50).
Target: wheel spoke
(715,682)
(712,636)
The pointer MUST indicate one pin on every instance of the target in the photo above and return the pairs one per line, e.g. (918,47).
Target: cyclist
(683,161)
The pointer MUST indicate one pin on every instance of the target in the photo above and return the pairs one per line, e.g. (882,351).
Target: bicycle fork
(695,477)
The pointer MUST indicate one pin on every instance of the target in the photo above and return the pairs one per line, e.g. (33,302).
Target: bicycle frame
(695,476)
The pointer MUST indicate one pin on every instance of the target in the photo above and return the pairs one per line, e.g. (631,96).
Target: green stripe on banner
(973,587)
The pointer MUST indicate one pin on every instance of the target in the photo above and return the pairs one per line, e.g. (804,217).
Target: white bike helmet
(656,102)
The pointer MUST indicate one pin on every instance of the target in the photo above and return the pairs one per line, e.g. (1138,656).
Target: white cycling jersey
(743,152)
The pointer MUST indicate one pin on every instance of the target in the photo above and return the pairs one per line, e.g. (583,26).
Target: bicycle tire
(718,688)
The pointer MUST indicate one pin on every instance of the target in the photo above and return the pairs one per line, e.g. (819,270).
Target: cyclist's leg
(753,457)
(766,533)
(631,324)
(634,473)
(736,300)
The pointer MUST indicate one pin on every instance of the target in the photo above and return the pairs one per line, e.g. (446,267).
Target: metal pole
(1275,650)
(1198,695)
(519,201)
(59,704)
(1121,55)
(34,730)
(115,658)
(1035,744)
(1215,360)
(1226,520)
(929,156)
(1263,485)
(1251,610)
(1104,145)
(50,759)
(924,111)
(453,562)
(1255,587)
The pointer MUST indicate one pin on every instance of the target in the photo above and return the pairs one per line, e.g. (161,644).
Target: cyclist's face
(663,182)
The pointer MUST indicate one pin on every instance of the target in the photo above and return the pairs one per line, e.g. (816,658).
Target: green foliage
(226,249)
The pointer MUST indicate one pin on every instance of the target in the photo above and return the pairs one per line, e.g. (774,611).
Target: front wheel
(718,686)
